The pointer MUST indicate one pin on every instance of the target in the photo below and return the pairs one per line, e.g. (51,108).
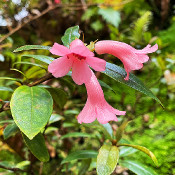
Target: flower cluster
(78,58)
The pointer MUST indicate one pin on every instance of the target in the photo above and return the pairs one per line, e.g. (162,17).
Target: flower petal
(60,66)
(78,47)
(81,72)
(88,114)
(96,63)
(59,50)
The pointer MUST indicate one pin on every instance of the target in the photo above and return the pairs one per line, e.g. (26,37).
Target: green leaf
(9,78)
(103,84)
(107,159)
(43,58)
(6,121)
(6,89)
(111,16)
(55,118)
(108,128)
(80,154)
(143,149)
(10,130)
(70,34)
(31,109)
(120,130)
(37,147)
(137,167)
(117,73)
(76,134)
(31,47)
(85,164)
(29,63)
(59,96)
(126,151)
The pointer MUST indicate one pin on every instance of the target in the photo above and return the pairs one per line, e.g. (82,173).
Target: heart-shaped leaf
(31,109)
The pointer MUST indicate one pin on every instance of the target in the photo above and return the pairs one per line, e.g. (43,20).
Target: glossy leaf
(117,73)
(10,130)
(143,149)
(70,34)
(80,154)
(2,88)
(31,47)
(137,167)
(37,147)
(107,159)
(31,109)
(43,58)
(126,151)
(9,78)
(108,128)
(76,134)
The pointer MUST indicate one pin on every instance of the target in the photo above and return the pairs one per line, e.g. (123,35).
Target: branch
(14,169)
(48,76)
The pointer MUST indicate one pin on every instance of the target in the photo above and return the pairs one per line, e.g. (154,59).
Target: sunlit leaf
(107,159)
(31,109)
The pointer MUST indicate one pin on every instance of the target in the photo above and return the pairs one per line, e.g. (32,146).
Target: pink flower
(131,58)
(78,57)
(57,1)
(96,105)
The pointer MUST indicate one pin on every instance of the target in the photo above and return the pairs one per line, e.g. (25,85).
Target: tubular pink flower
(96,106)
(131,58)
(78,57)
(57,1)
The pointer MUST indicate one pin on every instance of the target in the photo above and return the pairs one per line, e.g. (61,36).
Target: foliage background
(136,22)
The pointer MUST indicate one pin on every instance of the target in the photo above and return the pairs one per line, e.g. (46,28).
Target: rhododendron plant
(78,57)
(132,58)
(96,106)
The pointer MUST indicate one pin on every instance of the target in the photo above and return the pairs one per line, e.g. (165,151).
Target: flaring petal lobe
(60,66)
(59,50)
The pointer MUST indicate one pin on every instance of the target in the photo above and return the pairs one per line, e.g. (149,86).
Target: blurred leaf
(6,121)
(118,74)
(137,167)
(145,150)
(6,89)
(9,78)
(55,118)
(141,26)
(37,147)
(108,128)
(59,96)
(107,159)
(50,129)
(70,34)
(80,154)
(43,58)
(120,130)
(89,13)
(30,47)
(111,16)
(31,109)
(68,112)
(10,130)
(29,63)
(97,25)
(22,164)
(126,151)
(76,134)
(85,164)
(2,59)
